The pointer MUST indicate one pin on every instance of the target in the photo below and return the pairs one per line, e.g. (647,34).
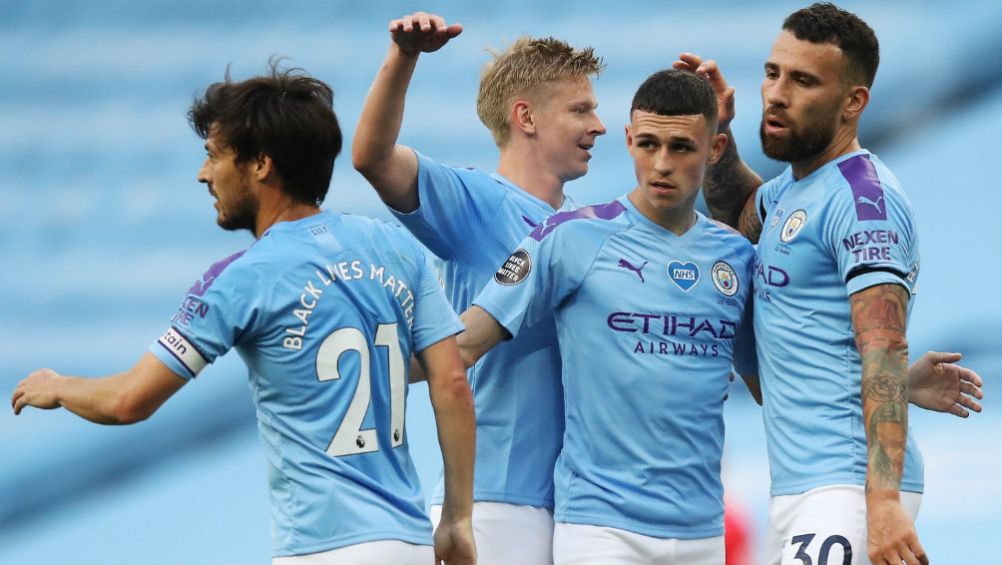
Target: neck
(286,210)
(525,170)
(678,220)
(843,143)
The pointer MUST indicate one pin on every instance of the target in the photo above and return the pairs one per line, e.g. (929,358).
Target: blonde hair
(522,70)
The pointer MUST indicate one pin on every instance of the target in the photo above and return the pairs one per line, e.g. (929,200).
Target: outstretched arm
(453,404)
(935,383)
(729,185)
(879,315)
(125,398)
(482,333)
(391,168)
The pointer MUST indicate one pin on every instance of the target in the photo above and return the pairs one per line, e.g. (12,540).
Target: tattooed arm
(879,316)
(729,188)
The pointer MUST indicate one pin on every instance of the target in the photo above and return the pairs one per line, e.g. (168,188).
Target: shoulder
(864,185)
(730,239)
(221,268)
(599,218)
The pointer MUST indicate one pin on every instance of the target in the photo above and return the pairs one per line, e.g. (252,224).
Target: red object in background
(737,534)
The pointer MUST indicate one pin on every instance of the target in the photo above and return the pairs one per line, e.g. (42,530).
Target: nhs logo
(684,275)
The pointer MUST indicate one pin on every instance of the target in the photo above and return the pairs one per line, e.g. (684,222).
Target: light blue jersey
(845,227)
(326,312)
(472,220)
(646,322)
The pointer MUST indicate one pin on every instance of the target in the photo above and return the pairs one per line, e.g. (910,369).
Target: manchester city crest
(793,225)
(724,278)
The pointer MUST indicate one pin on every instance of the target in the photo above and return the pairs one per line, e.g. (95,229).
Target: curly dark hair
(824,22)
(285,114)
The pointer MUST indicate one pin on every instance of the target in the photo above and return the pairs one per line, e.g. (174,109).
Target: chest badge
(793,226)
(724,278)
(684,275)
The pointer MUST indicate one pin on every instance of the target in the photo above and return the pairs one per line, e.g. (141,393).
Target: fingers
(937,357)
(970,378)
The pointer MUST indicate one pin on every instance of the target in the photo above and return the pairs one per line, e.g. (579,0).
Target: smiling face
(670,154)
(229,183)
(566,126)
(803,98)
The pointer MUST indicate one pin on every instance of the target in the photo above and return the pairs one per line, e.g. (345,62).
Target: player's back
(326,312)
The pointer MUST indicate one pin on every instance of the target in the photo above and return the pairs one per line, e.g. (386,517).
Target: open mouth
(774,124)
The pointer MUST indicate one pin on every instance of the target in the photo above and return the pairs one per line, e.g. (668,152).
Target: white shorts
(823,526)
(368,553)
(580,544)
(509,533)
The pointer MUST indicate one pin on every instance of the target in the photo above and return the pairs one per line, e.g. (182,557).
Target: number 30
(350,438)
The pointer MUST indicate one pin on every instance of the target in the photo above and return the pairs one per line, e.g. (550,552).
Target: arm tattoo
(879,317)
(729,188)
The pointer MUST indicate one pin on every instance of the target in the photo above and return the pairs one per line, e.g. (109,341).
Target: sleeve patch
(183,351)
(515,269)
(867,193)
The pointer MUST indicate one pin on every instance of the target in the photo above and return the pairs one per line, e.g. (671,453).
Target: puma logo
(864,200)
(639,270)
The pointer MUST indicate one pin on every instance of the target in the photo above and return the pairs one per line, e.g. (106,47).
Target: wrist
(404,52)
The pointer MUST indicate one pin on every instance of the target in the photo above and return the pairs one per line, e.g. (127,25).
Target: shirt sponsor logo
(684,275)
(724,278)
(793,225)
(515,269)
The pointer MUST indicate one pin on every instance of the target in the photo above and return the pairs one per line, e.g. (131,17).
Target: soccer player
(326,310)
(835,274)
(536,98)
(648,297)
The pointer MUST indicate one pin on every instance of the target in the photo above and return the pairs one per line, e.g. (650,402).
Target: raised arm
(391,168)
(879,315)
(453,404)
(729,185)
(124,398)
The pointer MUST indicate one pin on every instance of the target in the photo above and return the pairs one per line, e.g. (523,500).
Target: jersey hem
(801,488)
(662,533)
(502,497)
(353,540)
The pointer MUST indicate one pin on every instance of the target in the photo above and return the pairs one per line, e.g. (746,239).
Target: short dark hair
(674,92)
(824,22)
(285,114)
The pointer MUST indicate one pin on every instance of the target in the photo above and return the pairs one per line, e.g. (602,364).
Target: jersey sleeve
(870,232)
(454,206)
(536,278)
(434,319)
(210,321)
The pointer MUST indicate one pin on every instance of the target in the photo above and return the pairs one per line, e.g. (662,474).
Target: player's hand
(935,383)
(454,543)
(891,537)
(711,72)
(38,390)
(422,32)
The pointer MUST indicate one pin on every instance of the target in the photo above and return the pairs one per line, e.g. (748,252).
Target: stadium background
(103,227)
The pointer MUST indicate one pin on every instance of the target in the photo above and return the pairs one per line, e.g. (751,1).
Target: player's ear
(522,118)
(718,143)
(856,102)
(263,167)
(629,136)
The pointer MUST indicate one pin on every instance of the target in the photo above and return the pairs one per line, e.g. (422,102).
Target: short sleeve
(454,206)
(434,319)
(870,230)
(211,319)
(535,279)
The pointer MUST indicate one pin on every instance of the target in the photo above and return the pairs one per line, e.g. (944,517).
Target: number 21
(350,438)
